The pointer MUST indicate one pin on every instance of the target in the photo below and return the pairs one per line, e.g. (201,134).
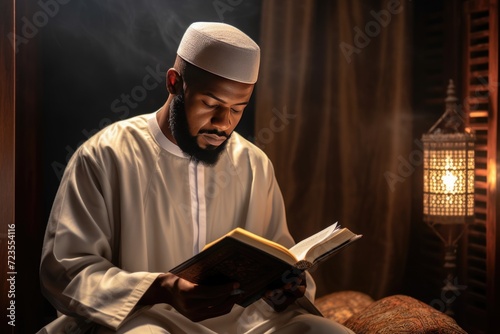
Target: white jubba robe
(131,206)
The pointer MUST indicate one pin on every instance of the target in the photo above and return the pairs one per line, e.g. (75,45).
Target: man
(145,194)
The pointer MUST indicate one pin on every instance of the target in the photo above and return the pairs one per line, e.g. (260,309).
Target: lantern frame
(448,185)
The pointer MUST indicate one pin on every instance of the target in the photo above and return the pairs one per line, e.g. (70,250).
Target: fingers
(291,284)
(279,294)
(205,297)
(200,302)
(294,287)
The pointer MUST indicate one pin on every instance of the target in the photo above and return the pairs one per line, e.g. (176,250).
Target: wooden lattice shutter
(481,106)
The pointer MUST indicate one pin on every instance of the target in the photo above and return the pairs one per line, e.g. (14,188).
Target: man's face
(205,115)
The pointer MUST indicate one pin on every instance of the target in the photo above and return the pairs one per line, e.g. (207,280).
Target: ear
(174,81)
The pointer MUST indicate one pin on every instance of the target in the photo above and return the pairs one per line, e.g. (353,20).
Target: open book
(259,264)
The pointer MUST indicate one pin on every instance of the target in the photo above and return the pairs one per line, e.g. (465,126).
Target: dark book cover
(230,260)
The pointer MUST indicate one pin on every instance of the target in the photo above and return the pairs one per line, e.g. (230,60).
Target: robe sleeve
(78,273)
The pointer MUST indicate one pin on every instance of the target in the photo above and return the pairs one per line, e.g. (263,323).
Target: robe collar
(161,139)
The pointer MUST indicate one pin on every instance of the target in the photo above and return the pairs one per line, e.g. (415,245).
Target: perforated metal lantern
(448,196)
(448,177)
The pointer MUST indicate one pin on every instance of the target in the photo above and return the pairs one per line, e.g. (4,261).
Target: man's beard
(180,130)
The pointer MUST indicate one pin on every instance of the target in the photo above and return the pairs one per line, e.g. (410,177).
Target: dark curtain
(333,114)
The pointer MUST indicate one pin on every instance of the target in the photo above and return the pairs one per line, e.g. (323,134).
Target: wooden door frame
(7,152)
(20,172)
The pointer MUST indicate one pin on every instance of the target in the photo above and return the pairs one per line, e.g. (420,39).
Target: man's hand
(196,302)
(293,288)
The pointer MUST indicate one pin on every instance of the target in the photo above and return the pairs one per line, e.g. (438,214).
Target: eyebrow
(222,101)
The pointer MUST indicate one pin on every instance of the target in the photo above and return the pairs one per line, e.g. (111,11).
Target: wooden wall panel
(30,220)
(20,173)
(7,153)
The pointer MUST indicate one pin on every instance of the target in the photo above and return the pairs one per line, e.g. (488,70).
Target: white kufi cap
(221,49)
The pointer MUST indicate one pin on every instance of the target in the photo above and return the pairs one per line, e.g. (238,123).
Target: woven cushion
(402,314)
(340,306)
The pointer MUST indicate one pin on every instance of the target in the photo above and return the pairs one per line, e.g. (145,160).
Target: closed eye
(211,106)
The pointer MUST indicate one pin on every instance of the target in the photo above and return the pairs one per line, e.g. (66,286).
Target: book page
(261,243)
(300,250)
(330,245)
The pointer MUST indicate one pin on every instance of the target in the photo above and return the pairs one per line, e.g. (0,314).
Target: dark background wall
(103,61)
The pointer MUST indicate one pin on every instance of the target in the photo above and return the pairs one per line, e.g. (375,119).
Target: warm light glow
(448,177)
(449,181)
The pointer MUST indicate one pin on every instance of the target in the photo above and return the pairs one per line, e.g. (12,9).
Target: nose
(222,118)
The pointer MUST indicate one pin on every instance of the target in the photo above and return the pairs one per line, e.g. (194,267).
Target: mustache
(214,132)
